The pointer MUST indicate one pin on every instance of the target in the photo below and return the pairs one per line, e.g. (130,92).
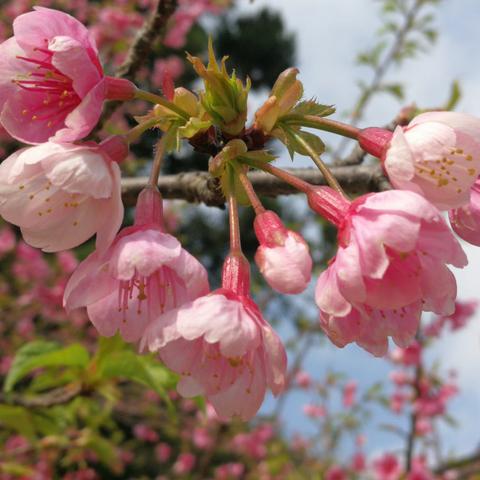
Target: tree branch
(153,28)
(200,186)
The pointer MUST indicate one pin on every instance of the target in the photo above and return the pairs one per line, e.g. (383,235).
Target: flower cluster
(394,247)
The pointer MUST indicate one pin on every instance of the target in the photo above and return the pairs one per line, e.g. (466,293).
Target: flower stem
(157,99)
(252,196)
(139,129)
(157,162)
(292,180)
(325,124)
(235,244)
(331,180)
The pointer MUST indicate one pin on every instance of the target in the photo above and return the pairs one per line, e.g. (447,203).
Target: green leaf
(395,89)
(18,419)
(40,354)
(311,107)
(142,369)
(292,143)
(455,96)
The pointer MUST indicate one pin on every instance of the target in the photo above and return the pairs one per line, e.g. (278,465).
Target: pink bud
(283,257)
(375,141)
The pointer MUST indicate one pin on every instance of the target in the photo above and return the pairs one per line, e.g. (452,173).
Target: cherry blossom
(390,265)
(221,346)
(144,273)
(52,85)
(60,194)
(283,256)
(437,155)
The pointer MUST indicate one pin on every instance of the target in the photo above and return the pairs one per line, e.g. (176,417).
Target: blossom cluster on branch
(394,247)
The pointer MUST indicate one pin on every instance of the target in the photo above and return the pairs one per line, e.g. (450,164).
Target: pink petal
(72,59)
(399,160)
(327,296)
(467,124)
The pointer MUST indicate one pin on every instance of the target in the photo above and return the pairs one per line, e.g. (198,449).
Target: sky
(329,35)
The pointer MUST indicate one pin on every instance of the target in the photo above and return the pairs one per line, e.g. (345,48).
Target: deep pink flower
(52,85)
(221,346)
(336,473)
(359,462)
(60,194)
(283,257)
(437,155)
(144,273)
(408,356)
(163,452)
(184,464)
(387,467)
(390,265)
(7,240)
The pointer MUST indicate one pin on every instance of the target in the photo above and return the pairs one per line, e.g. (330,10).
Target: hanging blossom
(390,266)
(60,194)
(437,155)
(283,257)
(52,84)
(221,346)
(143,274)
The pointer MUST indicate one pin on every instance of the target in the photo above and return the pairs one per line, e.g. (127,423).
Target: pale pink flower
(423,426)
(387,467)
(465,220)
(390,265)
(202,438)
(145,433)
(184,464)
(221,346)
(171,67)
(303,379)
(349,393)
(314,411)
(60,194)
(437,155)
(144,273)
(283,256)
(400,378)
(398,399)
(52,85)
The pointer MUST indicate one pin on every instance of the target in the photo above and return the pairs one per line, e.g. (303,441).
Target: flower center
(56,90)
(446,170)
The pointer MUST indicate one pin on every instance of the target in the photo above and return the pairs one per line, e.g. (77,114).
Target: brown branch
(201,187)
(464,465)
(154,28)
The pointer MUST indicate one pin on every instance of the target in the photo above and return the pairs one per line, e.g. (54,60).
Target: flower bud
(283,257)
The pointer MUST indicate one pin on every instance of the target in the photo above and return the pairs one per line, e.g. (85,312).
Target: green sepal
(311,107)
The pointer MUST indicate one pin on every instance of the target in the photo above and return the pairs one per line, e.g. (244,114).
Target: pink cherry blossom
(52,85)
(359,462)
(437,155)
(7,240)
(221,346)
(314,411)
(349,393)
(283,256)
(303,379)
(184,464)
(163,452)
(144,273)
(465,220)
(408,356)
(60,194)
(387,467)
(336,473)
(390,265)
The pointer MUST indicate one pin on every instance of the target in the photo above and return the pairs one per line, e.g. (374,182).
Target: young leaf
(40,354)
(311,107)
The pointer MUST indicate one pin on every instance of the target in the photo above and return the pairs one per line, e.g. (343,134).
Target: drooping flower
(221,346)
(144,273)
(437,155)
(283,257)
(52,85)
(60,194)
(390,265)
